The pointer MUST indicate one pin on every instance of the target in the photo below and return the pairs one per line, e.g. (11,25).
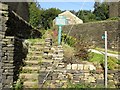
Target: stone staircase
(52,57)
(30,71)
(42,60)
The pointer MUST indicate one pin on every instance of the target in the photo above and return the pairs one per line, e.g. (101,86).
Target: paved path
(109,54)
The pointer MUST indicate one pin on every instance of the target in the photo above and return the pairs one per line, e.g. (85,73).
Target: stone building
(71,18)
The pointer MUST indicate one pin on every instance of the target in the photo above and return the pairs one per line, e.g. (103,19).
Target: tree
(86,15)
(48,16)
(101,10)
(34,14)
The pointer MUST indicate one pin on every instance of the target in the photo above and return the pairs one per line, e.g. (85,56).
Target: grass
(109,51)
(33,41)
(94,57)
(99,58)
(68,51)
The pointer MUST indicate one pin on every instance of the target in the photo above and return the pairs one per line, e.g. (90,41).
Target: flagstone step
(27,76)
(32,62)
(35,52)
(33,56)
(28,69)
(44,60)
(30,84)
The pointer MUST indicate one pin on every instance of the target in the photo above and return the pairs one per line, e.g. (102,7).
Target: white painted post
(105,59)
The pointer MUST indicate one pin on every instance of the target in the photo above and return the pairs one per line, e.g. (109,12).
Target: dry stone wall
(18,8)
(79,74)
(9,52)
(7,62)
(3,20)
(114,9)
(92,33)
(13,31)
(12,60)
(54,73)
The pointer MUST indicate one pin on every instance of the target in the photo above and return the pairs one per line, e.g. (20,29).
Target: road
(108,54)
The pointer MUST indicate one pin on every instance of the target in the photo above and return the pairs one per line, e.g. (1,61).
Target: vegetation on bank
(109,51)
(99,58)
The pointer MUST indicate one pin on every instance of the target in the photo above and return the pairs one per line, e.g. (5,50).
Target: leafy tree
(41,18)
(48,16)
(86,15)
(34,14)
(101,10)
(73,11)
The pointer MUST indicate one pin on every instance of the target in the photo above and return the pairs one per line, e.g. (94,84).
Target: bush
(68,53)
(69,40)
(82,50)
(112,63)
(18,85)
(114,18)
(99,58)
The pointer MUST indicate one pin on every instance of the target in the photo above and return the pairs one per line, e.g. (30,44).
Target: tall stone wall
(7,62)
(3,28)
(21,8)
(114,9)
(18,27)
(92,32)
(13,31)
(12,60)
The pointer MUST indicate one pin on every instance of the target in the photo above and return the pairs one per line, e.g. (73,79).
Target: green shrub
(114,18)
(99,58)
(112,63)
(18,85)
(94,57)
(69,40)
(82,50)
(68,53)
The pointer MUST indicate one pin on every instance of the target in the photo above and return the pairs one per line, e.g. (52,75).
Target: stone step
(35,52)
(56,58)
(36,47)
(34,57)
(59,56)
(39,43)
(44,60)
(32,62)
(32,68)
(28,69)
(30,84)
(26,76)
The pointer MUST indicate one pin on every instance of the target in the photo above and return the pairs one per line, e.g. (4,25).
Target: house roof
(73,19)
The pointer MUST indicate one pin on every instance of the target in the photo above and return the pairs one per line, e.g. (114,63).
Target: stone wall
(55,73)
(13,31)
(114,9)
(7,62)
(3,20)
(17,7)
(81,74)
(18,27)
(11,56)
(92,33)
